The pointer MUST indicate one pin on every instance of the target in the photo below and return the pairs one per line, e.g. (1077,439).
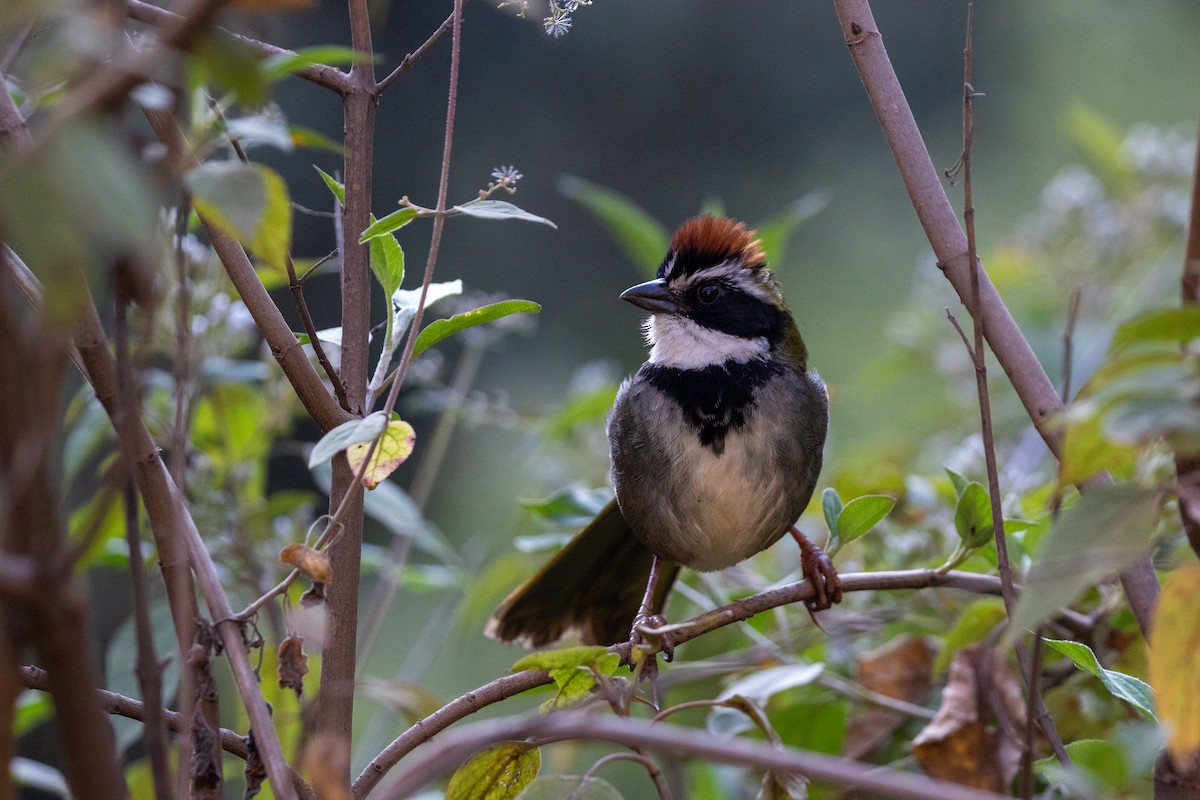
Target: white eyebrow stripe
(733,273)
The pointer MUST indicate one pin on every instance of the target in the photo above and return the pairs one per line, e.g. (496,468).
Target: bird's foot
(820,572)
(645,644)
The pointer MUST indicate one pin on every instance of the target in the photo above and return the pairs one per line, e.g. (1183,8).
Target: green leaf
(500,772)
(861,514)
(1098,759)
(973,516)
(1174,325)
(387,224)
(32,709)
(247,201)
(351,432)
(339,191)
(500,209)
(1107,530)
(571,507)
(387,262)
(582,409)
(974,624)
(314,140)
(641,237)
(566,658)
(1124,687)
(831,505)
(775,232)
(438,330)
(284,64)
(959,482)
(1100,139)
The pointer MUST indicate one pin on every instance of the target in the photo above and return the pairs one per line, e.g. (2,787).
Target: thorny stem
(979,358)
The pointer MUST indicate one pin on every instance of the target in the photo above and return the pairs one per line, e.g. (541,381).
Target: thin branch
(1035,706)
(412,58)
(454,748)
(439,220)
(14,49)
(174,529)
(320,74)
(652,769)
(945,234)
(1188,469)
(106,87)
(1069,344)
(283,343)
(122,706)
(147,667)
(737,611)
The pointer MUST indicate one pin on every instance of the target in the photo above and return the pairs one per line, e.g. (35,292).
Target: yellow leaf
(1174,661)
(500,772)
(311,562)
(395,446)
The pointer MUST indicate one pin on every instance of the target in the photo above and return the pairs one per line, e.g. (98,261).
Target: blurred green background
(741,106)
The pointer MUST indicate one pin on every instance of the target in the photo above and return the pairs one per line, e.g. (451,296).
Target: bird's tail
(592,588)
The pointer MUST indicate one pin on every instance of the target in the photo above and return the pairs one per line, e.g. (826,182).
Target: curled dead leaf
(973,739)
(292,664)
(310,561)
(902,669)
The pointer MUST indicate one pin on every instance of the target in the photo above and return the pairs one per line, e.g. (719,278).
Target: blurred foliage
(905,490)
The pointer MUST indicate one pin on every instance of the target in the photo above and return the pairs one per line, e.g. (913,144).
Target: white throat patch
(679,342)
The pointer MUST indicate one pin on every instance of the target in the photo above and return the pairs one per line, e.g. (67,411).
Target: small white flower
(557,25)
(507,176)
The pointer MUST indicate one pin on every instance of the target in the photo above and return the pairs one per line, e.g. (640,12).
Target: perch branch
(425,729)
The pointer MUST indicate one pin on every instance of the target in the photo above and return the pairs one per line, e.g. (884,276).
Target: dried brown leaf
(310,561)
(959,744)
(292,664)
(902,669)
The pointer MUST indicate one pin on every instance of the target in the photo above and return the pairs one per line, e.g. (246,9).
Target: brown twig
(946,237)
(570,726)
(320,74)
(335,701)
(739,610)
(652,769)
(412,58)
(1187,469)
(122,706)
(439,220)
(1035,706)
(147,667)
(286,349)
(106,87)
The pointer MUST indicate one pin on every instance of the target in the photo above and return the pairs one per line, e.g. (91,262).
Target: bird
(716,444)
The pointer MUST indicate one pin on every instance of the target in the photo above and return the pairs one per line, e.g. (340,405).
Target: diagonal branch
(330,77)
(283,343)
(574,725)
(949,244)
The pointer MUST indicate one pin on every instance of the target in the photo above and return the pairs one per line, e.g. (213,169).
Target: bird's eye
(708,293)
